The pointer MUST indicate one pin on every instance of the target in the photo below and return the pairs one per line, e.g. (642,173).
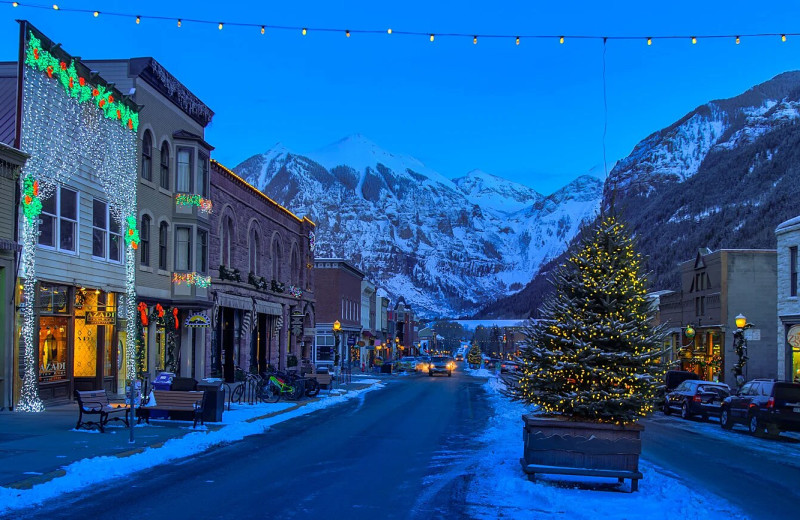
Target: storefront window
(95,319)
(161,348)
(53,348)
(53,299)
(796,364)
(325,345)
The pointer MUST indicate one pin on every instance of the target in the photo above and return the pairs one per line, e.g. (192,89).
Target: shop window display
(53,348)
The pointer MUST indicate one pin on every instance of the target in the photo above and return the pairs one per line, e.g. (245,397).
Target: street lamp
(740,347)
(337,334)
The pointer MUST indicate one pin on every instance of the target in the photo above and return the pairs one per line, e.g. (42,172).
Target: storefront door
(227,323)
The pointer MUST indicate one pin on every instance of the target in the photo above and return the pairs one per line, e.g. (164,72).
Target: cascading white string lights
(62,134)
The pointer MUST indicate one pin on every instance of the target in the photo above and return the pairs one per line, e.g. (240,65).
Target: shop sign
(296,323)
(100,317)
(351,341)
(197,319)
(793,336)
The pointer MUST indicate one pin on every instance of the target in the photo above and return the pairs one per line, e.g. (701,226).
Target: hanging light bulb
(96,14)
(55,7)
(179,22)
(517,40)
(347,33)
(15,4)
(431,37)
(474,40)
(389,31)
(737,40)
(305,31)
(783,37)
(560,39)
(694,40)
(219,26)
(138,19)
(649,41)
(262,29)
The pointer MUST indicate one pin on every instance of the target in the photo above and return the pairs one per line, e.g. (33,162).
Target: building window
(144,241)
(276,261)
(202,175)
(254,250)
(147,156)
(165,165)
(793,271)
(700,306)
(106,233)
(59,227)
(227,233)
(183,179)
(202,251)
(162,246)
(183,248)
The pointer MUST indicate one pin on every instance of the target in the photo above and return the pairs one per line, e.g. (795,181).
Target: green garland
(77,86)
(31,205)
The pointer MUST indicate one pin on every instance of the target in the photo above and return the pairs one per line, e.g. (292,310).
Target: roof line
(253,188)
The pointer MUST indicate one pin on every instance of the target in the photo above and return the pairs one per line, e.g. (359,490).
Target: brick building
(338,285)
(262,283)
(788,329)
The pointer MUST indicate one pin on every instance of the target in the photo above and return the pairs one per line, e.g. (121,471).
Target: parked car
(764,405)
(493,363)
(695,397)
(459,357)
(441,365)
(508,366)
(407,363)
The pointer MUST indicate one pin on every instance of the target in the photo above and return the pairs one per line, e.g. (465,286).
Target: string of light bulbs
(431,36)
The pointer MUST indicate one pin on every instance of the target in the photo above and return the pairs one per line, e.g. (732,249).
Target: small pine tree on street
(593,354)
(474,357)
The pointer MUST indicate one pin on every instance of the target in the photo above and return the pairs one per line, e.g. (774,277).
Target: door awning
(272,308)
(234,302)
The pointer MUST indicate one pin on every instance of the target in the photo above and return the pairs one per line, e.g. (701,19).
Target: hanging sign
(793,337)
(296,323)
(197,319)
(100,317)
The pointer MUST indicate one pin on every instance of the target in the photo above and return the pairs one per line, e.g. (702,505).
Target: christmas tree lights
(188,199)
(594,354)
(191,279)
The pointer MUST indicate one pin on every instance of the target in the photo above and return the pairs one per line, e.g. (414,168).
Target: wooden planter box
(557,446)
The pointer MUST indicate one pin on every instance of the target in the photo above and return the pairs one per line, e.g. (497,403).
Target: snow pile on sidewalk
(101,469)
(499,488)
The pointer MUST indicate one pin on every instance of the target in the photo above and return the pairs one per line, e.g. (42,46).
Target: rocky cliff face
(448,246)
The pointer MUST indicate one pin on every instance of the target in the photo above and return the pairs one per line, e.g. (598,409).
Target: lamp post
(337,334)
(740,347)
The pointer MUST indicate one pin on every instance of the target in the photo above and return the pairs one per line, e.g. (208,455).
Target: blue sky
(531,113)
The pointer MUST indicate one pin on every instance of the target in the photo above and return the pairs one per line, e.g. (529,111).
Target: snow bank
(499,488)
(101,469)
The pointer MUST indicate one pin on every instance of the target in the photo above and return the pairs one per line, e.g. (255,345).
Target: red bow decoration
(159,310)
(143,313)
(175,315)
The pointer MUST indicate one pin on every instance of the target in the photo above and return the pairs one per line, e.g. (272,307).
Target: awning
(234,302)
(269,308)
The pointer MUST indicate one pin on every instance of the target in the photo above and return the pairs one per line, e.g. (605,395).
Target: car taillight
(771,402)
(697,399)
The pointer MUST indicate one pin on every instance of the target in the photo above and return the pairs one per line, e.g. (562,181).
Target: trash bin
(163,381)
(215,399)
(387,367)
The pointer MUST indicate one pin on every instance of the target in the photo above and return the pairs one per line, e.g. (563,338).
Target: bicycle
(282,384)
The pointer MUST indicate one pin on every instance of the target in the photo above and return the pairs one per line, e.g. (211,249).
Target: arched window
(295,273)
(165,165)
(147,156)
(254,251)
(277,275)
(162,246)
(225,245)
(144,241)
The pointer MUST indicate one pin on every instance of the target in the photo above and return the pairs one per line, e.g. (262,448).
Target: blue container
(163,381)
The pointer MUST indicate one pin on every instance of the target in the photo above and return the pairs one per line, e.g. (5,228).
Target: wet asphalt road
(400,452)
(760,476)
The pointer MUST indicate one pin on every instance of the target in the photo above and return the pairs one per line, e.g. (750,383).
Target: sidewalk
(37,448)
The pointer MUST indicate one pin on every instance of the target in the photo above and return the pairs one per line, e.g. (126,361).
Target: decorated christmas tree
(474,356)
(594,353)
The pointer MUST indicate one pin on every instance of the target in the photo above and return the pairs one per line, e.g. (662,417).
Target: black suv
(763,404)
(693,397)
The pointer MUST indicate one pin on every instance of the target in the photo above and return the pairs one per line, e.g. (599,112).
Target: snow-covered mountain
(447,246)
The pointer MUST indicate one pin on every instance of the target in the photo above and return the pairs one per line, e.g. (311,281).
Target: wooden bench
(175,401)
(96,402)
(532,469)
